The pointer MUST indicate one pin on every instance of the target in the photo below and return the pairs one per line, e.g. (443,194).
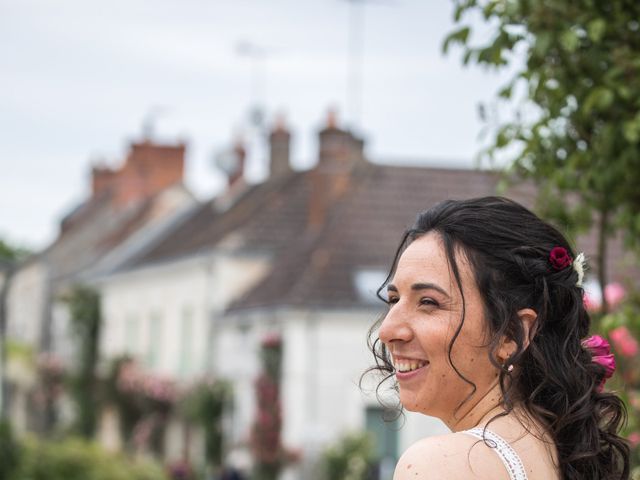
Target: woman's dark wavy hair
(556,381)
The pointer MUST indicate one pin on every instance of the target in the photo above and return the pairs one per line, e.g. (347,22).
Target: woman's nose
(395,327)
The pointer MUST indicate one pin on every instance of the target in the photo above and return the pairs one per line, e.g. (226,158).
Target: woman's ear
(528,318)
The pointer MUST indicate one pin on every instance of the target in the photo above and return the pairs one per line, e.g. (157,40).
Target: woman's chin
(412,404)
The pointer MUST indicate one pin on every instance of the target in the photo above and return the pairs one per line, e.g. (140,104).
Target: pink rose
(601,354)
(614,293)
(597,345)
(624,341)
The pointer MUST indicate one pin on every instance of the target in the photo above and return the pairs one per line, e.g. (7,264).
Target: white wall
(26,303)
(145,313)
(165,314)
(324,355)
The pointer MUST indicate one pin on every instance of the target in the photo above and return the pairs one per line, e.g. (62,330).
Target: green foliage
(20,351)
(144,401)
(349,458)
(84,308)
(205,406)
(627,378)
(75,459)
(575,129)
(578,121)
(12,253)
(10,452)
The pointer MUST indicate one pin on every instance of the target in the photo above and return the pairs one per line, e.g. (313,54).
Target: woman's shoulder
(454,455)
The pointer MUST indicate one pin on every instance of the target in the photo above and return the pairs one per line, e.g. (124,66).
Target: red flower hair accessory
(560,258)
(601,354)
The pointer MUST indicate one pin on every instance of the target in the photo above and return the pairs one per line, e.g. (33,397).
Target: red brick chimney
(148,169)
(102,179)
(339,152)
(279,149)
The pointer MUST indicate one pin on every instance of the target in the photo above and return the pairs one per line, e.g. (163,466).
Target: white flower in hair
(580,265)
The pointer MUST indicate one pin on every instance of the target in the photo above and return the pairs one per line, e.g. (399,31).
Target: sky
(78,79)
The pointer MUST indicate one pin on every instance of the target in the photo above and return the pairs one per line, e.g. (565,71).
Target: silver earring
(507,367)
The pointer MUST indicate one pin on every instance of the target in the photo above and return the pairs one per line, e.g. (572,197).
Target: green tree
(205,406)
(576,123)
(84,307)
(10,256)
(12,253)
(9,451)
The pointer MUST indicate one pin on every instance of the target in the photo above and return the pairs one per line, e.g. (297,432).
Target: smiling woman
(486,331)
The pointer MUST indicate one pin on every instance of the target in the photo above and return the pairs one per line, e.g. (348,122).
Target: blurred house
(128,208)
(299,256)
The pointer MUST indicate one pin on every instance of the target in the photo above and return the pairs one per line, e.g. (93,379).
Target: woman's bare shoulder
(447,456)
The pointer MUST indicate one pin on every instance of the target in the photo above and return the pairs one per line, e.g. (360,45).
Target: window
(154,342)
(186,333)
(367,282)
(131,333)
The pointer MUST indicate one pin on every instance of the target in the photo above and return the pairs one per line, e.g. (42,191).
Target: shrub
(350,458)
(75,459)
(9,451)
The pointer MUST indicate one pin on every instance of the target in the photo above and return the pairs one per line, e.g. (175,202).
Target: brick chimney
(102,179)
(340,151)
(279,149)
(149,169)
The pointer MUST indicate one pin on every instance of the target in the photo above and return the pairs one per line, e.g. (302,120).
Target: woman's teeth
(408,366)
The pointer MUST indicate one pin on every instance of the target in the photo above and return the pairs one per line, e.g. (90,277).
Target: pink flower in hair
(624,341)
(601,354)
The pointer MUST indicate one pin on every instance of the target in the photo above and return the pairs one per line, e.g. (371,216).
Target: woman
(486,330)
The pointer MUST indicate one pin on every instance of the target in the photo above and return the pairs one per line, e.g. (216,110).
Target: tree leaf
(596,29)
(458,36)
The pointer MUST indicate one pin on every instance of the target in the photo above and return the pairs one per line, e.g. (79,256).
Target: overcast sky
(78,78)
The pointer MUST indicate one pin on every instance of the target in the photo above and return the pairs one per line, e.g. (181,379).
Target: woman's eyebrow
(420,286)
(429,286)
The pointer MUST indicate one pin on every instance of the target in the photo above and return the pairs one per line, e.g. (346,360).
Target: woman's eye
(392,300)
(428,301)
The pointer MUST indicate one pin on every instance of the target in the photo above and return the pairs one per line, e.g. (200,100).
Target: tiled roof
(362,232)
(316,267)
(97,229)
(267,215)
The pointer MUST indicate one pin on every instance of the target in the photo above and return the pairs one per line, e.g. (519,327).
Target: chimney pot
(279,149)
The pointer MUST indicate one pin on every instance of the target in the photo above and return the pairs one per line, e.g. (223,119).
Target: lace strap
(507,454)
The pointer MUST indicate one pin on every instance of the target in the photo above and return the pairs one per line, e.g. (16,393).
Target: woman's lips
(412,373)
(408,367)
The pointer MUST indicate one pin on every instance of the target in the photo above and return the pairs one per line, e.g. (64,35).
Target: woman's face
(425,311)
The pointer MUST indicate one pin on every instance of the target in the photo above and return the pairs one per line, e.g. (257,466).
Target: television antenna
(355,65)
